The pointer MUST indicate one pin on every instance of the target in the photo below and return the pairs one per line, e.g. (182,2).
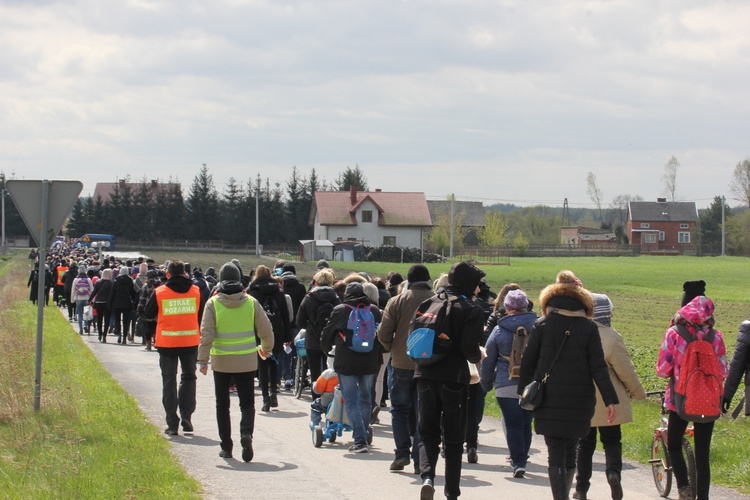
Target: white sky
(500,101)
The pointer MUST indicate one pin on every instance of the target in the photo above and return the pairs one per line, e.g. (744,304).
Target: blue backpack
(429,339)
(360,329)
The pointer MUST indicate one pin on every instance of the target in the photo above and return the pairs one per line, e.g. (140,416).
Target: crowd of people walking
(244,326)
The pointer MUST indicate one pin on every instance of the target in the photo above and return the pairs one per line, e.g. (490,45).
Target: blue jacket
(499,344)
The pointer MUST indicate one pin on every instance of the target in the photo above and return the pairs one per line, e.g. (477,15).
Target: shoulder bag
(533,393)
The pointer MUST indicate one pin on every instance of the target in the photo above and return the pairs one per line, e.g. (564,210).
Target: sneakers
(170,431)
(247,447)
(266,406)
(359,448)
(225,454)
(374,416)
(614,484)
(519,472)
(579,495)
(274,401)
(428,490)
(400,463)
(471,456)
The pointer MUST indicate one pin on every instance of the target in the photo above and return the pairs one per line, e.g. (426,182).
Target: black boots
(558,482)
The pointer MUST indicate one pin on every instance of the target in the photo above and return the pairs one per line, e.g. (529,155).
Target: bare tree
(669,177)
(740,184)
(594,192)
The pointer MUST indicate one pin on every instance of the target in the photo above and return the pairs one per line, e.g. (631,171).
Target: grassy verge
(89,439)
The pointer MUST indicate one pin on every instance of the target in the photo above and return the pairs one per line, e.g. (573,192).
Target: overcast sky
(498,101)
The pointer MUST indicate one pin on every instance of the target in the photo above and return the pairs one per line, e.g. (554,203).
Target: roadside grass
(646,292)
(89,439)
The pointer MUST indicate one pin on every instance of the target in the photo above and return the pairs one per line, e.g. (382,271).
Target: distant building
(471,214)
(662,226)
(372,218)
(579,235)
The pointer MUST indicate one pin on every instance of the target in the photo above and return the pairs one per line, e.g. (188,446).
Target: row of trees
(140,211)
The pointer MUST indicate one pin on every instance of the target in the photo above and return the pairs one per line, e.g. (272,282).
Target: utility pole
(4,246)
(723,229)
(257,220)
(453,221)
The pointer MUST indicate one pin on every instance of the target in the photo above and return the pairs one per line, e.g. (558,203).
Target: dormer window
(366,215)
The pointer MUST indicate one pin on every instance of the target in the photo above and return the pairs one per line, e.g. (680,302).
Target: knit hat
(210,271)
(322,264)
(123,271)
(396,279)
(692,290)
(602,309)
(229,272)
(418,272)
(288,268)
(287,275)
(516,300)
(82,269)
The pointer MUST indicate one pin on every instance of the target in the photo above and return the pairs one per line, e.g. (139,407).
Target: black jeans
(245,383)
(442,411)
(268,371)
(561,452)
(611,438)
(476,412)
(171,397)
(102,317)
(702,438)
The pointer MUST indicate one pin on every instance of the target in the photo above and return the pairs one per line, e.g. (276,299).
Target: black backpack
(322,313)
(271,308)
(430,339)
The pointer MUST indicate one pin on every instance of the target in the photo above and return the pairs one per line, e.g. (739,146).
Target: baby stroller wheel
(317,436)
(369,435)
(332,439)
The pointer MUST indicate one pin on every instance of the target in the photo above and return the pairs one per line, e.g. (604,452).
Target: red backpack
(697,395)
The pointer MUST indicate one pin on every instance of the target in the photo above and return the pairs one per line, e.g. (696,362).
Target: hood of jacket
(513,321)
(463,278)
(179,284)
(567,296)
(699,311)
(232,300)
(266,286)
(355,294)
(124,280)
(324,294)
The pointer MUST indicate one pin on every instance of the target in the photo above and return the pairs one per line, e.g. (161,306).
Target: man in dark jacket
(120,303)
(356,370)
(444,387)
(392,333)
(296,291)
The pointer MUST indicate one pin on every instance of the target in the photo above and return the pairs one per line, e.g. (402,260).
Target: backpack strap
(557,355)
(689,337)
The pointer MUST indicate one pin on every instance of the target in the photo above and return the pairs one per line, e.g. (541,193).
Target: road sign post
(43,206)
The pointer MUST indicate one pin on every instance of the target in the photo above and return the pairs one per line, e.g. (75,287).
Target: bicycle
(661,465)
(300,369)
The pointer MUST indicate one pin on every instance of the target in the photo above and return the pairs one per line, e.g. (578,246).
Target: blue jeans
(358,403)
(517,430)
(403,393)
(80,304)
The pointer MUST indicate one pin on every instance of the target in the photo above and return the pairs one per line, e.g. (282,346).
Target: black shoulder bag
(533,393)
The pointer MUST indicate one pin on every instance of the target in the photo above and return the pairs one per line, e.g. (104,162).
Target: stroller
(300,367)
(336,422)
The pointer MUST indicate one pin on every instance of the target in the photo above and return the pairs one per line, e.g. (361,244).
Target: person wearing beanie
(627,385)
(497,372)
(141,278)
(177,308)
(100,297)
(565,413)
(393,281)
(392,333)
(322,264)
(356,370)
(70,275)
(691,290)
(232,323)
(296,291)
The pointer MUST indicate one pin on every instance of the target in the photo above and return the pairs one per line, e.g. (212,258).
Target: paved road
(286,465)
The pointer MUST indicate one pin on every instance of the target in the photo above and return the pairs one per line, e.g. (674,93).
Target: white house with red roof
(372,218)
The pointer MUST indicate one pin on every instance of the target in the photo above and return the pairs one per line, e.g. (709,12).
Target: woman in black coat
(267,292)
(565,413)
(739,368)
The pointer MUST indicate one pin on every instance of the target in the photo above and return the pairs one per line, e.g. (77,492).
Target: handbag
(533,393)
(88,313)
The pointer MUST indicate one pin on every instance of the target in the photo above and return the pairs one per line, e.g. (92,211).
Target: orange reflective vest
(61,270)
(177,320)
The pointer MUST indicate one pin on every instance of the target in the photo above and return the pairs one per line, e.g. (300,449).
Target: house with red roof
(372,218)
(663,226)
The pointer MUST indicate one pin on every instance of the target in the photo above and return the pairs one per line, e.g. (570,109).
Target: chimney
(154,183)
(122,182)
(661,200)
(378,190)
(353,194)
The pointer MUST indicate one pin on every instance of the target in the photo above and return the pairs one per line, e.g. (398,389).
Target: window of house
(661,236)
(649,238)
(644,225)
(683,226)
(389,241)
(683,237)
(366,215)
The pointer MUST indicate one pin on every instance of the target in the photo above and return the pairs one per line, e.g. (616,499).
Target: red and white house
(663,226)
(372,218)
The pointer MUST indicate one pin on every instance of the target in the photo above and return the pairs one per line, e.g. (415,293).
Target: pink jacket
(697,317)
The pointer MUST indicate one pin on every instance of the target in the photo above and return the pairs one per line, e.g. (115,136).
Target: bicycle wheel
(298,377)
(690,462)
(661,467)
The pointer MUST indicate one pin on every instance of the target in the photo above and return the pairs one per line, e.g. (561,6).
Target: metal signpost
(44,206)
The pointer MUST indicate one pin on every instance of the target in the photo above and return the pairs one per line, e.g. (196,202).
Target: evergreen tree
(99,221)
(202,207)
(351,177)
(76,224)
(170,212)
(14,224)
(710,225)
(297,208)
(233,222)
(143,211)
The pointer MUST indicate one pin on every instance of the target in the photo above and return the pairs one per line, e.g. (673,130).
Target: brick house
(663,226)
(373,218)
